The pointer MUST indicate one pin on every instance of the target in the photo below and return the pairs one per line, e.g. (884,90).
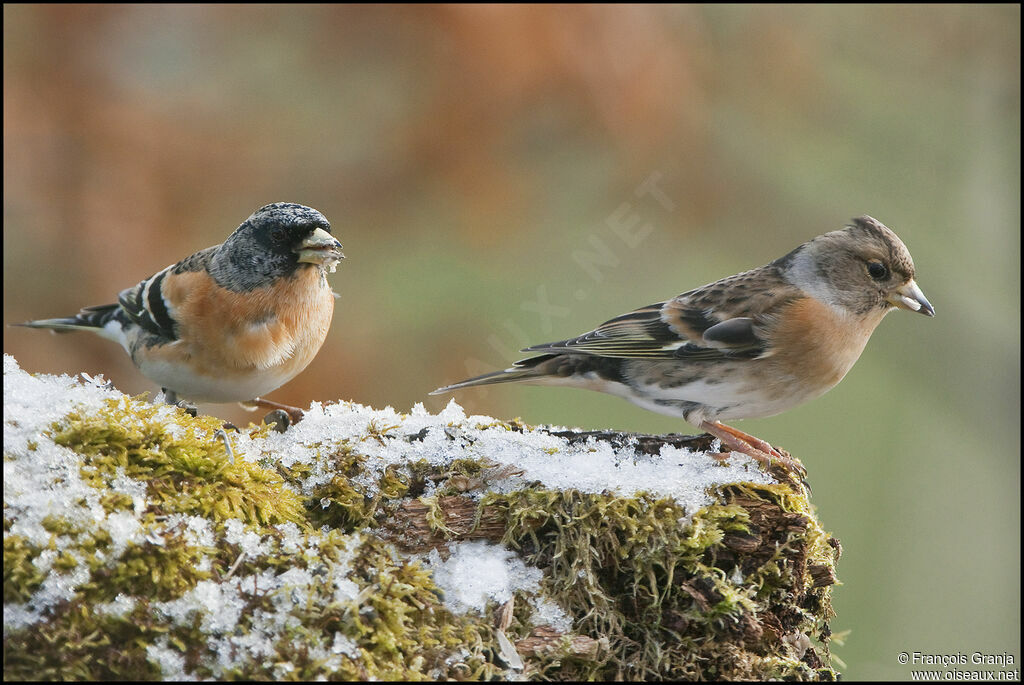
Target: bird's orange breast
(816,344)
(278,329)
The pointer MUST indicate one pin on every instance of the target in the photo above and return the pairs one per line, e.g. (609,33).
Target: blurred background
(509,175)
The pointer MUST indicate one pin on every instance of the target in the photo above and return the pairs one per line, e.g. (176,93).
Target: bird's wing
(146,304)
(724,319)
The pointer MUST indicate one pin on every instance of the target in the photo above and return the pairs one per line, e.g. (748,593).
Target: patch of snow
(478,572)
(41,480)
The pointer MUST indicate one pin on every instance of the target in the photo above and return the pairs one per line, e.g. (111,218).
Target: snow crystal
(547,613)
(218,604)
(296,576)
(236,533)
(124,530)
(478,572)
(387,437)
(344,645)
(41,478)
(344,589)
(198,531)
(291,542)
(169,660)
(56,588)
(119,608)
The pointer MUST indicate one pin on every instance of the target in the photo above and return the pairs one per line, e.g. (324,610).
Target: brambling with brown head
(746,346)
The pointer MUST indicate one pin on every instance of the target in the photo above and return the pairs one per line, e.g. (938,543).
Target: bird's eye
(278,235)
(878,271)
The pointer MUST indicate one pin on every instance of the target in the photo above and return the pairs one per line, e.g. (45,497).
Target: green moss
(396,620)
(404,629)
(160,571)
(81,645)
(21,577)
(467,467)
(629,569)
(661,591)
(350,501)
(185,467)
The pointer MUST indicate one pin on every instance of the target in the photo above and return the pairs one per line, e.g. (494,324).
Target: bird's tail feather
(523,371)
(89,318)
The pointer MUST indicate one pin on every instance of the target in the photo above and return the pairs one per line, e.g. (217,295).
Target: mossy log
(157,555)
(766,535)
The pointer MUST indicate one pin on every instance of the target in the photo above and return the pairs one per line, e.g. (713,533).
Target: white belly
(199,388)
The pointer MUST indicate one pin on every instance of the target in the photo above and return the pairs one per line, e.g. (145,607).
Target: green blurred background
(509,175)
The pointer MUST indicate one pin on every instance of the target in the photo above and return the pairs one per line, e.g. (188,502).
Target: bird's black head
(274,242)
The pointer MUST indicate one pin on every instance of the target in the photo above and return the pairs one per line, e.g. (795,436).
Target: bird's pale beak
(909,296)
(320,248)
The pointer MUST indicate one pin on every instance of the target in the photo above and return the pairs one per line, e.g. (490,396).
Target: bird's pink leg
(294,413)
(738,441)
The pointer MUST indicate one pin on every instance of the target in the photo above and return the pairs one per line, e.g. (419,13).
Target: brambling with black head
(746,346)
(231,322)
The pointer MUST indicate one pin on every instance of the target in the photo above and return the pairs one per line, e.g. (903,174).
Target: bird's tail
(89,319)
(524,370)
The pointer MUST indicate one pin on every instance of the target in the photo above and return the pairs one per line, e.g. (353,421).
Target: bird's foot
(744,443)
(281,416)
(278,419)
(171,397)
